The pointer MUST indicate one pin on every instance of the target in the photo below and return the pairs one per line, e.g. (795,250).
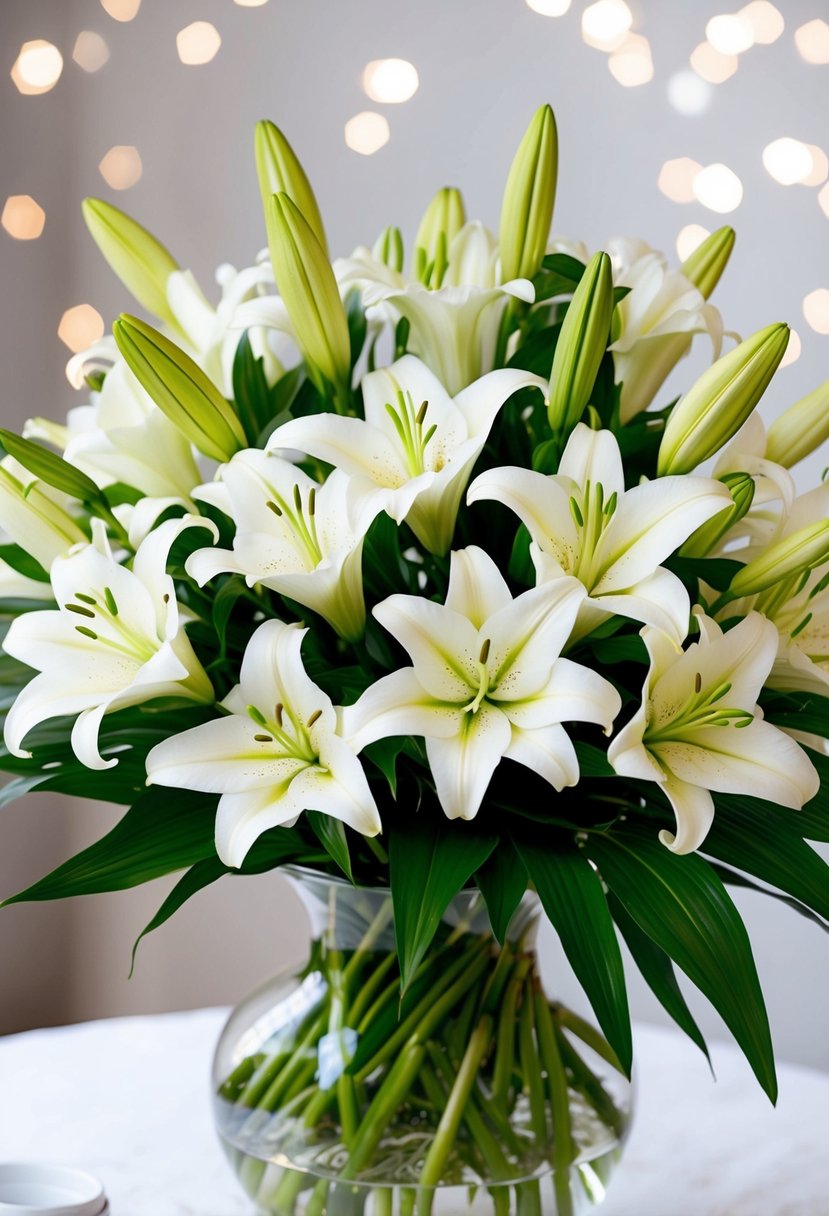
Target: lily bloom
(114,640)
(417,443)
(278,752)
(584,523)
(698,728)
(300,538)
(486,681)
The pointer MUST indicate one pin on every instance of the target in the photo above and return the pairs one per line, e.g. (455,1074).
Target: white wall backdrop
(484,66)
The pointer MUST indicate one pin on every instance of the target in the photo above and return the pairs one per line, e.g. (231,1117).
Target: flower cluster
(366,532)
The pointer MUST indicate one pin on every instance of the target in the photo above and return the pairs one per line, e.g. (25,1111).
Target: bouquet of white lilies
(394,568)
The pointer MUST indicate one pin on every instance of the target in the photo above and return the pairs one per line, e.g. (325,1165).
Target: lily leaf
(682,906)
(502,880)
(769,847)
(572,896)
(163,831)
(52,469)
(331,834)
(657,972)
(732,878)
(430,860)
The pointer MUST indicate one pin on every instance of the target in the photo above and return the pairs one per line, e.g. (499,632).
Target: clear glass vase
(473,1096)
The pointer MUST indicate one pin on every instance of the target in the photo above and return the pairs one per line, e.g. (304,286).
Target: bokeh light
(549,8)
(250,3)
(793,349)
(37,68)
(632,63)
(22,217)
(812,40)
(688,93)
(718,188)
(121,10)
(121,167)
(367,132)
(766,21)
(80,327)
(823,201)
(90,51)
(390,81)
(688,239)
(820,167)
(676,179)
(816,309)
(198,43)
(788,161)
(730,34)
(712,65)
(605,24)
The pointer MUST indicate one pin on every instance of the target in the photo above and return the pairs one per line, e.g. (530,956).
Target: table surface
(128,1099)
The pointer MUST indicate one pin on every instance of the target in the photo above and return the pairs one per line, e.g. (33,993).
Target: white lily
(454,327)
(416,442)
(699,729)
(487,682)
(655,323)
(584,523)
(122,435)
(300,538)
(277,753)
(34,515)
(16,586)
(114,640)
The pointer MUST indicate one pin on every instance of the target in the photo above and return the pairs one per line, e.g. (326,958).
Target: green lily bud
(140,261)
(803,427)
(581,345)
(708,535)
(388,249)
(280,172)
(180,389)
(706,264)
(803,550)
(527,207)
(307,285)
(441,223)
(715,408)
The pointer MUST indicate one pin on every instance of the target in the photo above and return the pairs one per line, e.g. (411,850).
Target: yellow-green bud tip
(139,260)
(279,171)
(529,197)
(705,266)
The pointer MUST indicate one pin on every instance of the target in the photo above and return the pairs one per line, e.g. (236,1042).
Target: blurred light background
(673,118)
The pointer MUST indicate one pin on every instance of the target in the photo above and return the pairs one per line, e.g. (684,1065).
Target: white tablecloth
(128,1099)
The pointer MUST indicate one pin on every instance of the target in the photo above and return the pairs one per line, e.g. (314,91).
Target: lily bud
(800,429)
(708,535)
(388,249)
(140,261)
(280,172)
(32,516)
(441,223)
(527,207)
(307,285)
(581,345)
(180,389)
(803,550)
(706,264)
(715,408)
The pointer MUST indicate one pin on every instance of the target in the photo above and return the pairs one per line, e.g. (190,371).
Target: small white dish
(35,1189)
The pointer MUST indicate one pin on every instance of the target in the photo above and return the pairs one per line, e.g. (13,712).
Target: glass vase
(472,1095)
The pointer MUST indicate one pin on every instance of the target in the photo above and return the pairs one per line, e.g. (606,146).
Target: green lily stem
(388,1098)
(588,1034)
(505,1050)
(447,1131)
(528,1054)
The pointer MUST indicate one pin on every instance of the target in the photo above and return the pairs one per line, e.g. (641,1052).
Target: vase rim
(293,869)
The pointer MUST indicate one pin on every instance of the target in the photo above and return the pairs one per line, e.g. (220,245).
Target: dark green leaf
(430,860)
(384,754)
(657,972)
(767,845)
(571,894)
(502,880)
(681,904)
(51,468)
(716,571)
(23,563)
(732,878)
(357,324)
(593,761)
(224,602)
(331,834)
(164,831)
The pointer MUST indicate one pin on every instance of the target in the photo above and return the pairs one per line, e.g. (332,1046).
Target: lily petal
(593,456)
(444,646)
(694,811)
(574,693)
(397,704)
(477,589)
(463,764)
(548,751)
(242,818)
(541,504)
